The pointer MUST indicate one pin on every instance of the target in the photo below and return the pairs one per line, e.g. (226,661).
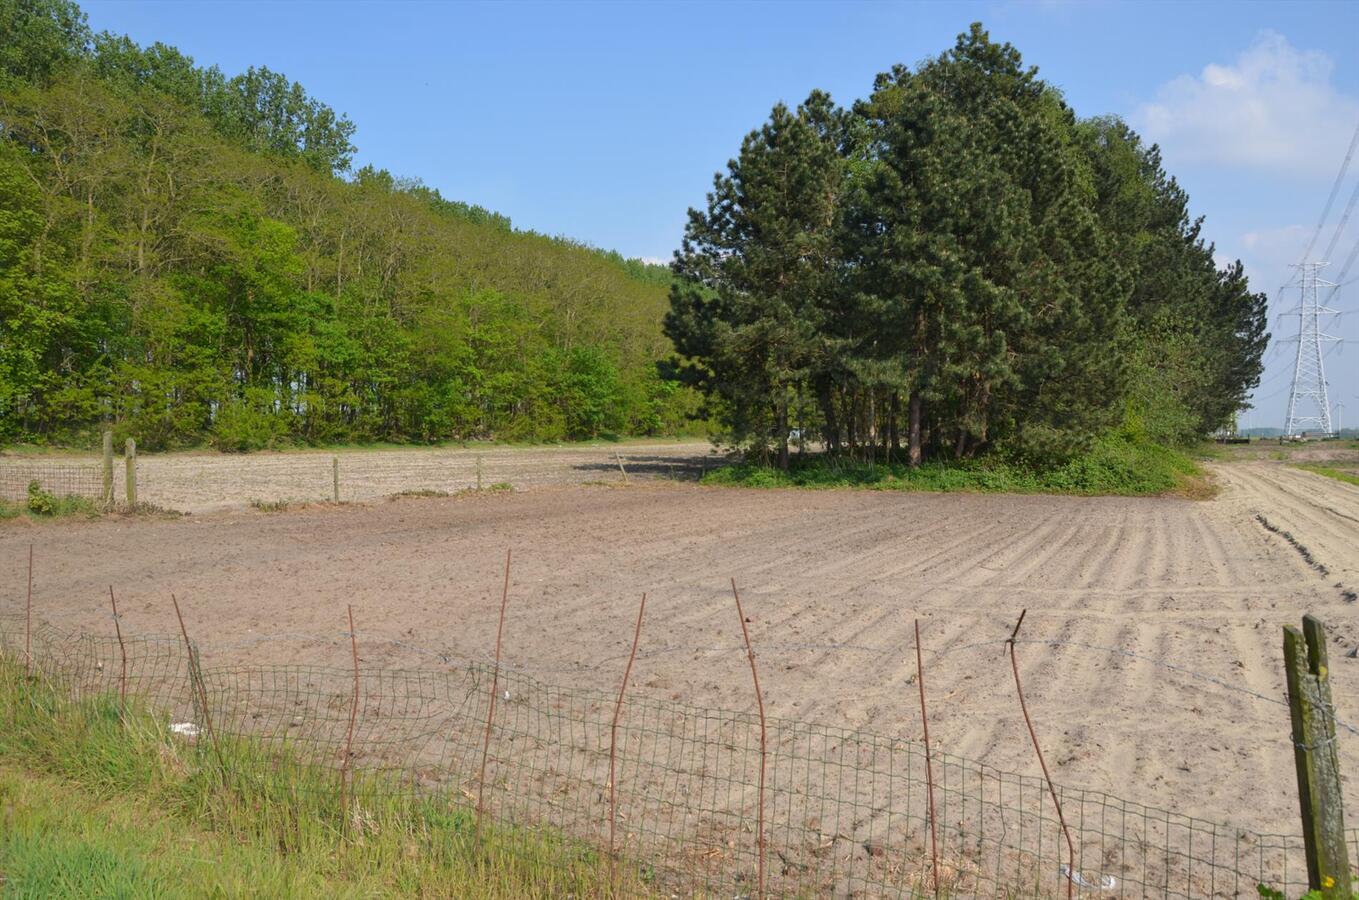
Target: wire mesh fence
(61,479)
(188,482)
(846,813)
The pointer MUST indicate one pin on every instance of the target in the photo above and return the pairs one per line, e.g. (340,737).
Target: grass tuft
(417,493)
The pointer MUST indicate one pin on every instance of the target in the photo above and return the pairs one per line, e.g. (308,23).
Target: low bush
(44,504)
(1116,464)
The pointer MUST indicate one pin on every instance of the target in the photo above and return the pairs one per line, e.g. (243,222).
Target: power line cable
(1344,270)
(1335,189)
(1344,220)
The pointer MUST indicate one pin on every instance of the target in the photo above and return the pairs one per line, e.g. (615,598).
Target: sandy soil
(831,583)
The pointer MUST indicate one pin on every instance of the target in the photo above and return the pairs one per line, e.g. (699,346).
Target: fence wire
(61,479)
(846,812)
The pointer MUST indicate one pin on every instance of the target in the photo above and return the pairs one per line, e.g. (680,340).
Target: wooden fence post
(107,499)
(478,471)
(335,478)
(1314,752)
(620,466)
(130,458)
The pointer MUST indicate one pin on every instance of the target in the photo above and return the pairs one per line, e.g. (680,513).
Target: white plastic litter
(1105,883)
(185,729)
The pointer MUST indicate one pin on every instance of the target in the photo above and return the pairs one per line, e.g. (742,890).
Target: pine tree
(755,269)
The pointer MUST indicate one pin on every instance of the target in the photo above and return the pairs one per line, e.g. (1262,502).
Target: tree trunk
(871,428)
(830,428)
(893,438)
(851,415)
(961,444)
(913,434)
(985,402)
(783,432)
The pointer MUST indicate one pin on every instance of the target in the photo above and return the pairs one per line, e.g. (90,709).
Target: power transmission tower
(1309,376)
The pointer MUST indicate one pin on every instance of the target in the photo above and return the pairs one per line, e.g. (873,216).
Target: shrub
(40,502)
(1115,464)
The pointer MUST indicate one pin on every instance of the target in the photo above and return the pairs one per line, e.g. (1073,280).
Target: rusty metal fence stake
(28,619)
(353,717)
(929,758)
(613,742)
(1033,735)
(122,649)
(495,683)
(196,684)
(759,700)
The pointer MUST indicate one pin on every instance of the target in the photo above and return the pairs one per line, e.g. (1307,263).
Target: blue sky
(606,121)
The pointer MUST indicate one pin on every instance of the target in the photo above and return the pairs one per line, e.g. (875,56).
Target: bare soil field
(1161,682)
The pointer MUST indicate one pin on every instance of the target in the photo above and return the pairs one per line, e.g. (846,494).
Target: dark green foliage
(958,266)
(1114,464)
(180,260)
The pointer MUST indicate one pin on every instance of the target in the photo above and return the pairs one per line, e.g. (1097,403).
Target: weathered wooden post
(107,499)
(478,471)
(130,458)
(1314,751)
(620,466)
(335,478)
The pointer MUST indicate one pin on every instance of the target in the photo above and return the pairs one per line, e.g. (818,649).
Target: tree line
(190,258)
(957,265)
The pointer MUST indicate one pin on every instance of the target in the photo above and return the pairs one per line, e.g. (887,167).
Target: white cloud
(1275,107)
(1267,254)
(1278,245)
(655,260)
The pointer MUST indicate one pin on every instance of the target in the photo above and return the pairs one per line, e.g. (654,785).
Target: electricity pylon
(1309,376)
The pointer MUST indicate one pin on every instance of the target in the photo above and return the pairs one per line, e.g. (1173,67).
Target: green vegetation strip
(45,505)
(1113,466)
(1330,472)
(98,798)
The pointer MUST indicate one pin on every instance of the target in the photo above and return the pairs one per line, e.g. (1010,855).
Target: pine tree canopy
(957,264)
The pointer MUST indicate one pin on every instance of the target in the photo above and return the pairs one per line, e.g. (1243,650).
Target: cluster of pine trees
(190,258)
(957,265)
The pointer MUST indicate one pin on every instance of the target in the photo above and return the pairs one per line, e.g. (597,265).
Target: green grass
(1115,465)
(42,505)
(1329,472)
(97,798)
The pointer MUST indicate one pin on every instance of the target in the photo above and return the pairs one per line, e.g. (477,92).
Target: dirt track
(831,582)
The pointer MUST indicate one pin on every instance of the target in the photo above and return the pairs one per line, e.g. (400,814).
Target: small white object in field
(185,729)
(507,696)
(1105,883)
